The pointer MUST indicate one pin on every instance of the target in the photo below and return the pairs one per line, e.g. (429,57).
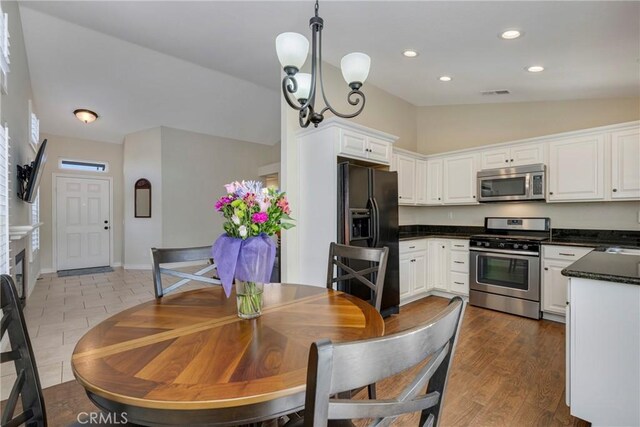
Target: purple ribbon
(249,260)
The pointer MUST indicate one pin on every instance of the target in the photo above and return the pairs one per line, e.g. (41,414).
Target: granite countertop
(600,265)
(411,232)
(594,238)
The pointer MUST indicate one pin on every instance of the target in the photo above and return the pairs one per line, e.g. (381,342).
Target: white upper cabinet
(434,182)
(576,168)
(421,182)
(359,145)
(406,167)
(459,181)
(625,164)
(516,155)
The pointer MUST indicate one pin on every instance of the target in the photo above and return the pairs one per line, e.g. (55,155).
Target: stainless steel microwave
(519,183)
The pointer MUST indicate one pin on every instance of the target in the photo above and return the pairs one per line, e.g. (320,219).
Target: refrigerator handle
(375,222)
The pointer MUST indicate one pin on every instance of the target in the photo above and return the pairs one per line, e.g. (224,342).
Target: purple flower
(260,217)
(222,202)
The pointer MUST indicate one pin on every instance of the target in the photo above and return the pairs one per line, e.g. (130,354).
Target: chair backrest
(27,385)
(334,368)
(342,257)
(176,255)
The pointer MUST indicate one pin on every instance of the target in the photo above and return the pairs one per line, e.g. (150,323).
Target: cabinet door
(498,158)
(526,154)
(406,179)
(576,169)
(379,150)
(625,164)
(420,272)
(421,182)
(437,270)
(459,181)
(434,182)
(406,275)
(554,286)
(353,144)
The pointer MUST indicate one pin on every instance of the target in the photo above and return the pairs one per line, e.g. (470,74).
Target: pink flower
(250,199)
(223,201)
(260,217)
(283,204)
(232,187)
(264,204)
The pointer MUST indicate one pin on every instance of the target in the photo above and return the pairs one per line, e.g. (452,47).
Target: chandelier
(299,89)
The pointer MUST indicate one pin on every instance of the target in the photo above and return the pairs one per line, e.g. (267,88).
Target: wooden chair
(165,256)
(334,368)
(27,385)
(341,255)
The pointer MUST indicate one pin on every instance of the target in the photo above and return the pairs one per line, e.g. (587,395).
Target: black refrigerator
(368,216)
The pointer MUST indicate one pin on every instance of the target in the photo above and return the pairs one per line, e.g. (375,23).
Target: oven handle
(507,251)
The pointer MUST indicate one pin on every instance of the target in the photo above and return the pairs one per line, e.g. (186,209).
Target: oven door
(505,274)
(504,188)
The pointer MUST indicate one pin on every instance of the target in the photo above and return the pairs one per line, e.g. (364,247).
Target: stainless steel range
(504,271)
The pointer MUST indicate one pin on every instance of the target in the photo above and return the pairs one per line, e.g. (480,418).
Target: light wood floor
(507,370)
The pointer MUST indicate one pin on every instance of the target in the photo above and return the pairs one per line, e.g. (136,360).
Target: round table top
(190,350)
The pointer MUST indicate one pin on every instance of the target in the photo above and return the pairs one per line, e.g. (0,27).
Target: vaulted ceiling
(211,67)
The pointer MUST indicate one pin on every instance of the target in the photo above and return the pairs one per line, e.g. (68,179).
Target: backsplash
(601,216)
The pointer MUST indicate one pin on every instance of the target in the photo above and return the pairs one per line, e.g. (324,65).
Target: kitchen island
(603,337)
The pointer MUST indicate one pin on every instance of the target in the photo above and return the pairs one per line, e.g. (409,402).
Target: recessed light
(444,78)
(535,68)
(510,34)
(86,116)
(410,53)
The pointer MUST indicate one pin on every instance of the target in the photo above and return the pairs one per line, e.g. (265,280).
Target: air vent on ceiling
(496,92)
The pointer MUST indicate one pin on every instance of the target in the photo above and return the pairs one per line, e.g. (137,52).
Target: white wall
(59,147)
(142,158)
(195,168)
(15,114)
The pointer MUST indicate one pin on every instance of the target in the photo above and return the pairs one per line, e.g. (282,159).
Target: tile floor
(60,310)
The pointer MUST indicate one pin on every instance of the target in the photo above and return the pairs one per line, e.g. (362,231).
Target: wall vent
(496,92)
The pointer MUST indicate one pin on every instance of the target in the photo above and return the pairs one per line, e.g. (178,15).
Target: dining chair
(27,384)
(334,368)
(177,255)
(345,257)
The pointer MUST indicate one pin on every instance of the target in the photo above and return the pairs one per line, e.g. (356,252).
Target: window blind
(4,200)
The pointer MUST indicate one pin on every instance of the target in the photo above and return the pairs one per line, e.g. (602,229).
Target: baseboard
(554,317)
(116,264)
(435,293)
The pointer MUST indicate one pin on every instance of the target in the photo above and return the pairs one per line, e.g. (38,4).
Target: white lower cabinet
(413,269)
(438,264)
(554,284)
(459,267)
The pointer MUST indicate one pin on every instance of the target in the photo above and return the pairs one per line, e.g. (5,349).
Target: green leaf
(287,225)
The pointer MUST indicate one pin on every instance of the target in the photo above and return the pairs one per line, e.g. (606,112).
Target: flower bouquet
(245,252)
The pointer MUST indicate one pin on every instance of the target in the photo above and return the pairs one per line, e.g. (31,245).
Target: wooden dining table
(188,359)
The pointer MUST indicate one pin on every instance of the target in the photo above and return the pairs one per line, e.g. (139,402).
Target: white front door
(82,210)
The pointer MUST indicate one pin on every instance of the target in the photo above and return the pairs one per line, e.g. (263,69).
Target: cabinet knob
(546,268)
(550,192)
(506,160)
(106,227)
(615,190)
(439,198)
(399,197)
(512,160)
(474,197)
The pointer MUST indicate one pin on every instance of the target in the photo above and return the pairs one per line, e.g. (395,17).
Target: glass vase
(249,299)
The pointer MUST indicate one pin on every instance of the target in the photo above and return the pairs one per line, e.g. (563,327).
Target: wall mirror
(142,200)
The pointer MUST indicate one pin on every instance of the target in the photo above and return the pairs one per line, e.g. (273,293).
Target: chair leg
(372,391)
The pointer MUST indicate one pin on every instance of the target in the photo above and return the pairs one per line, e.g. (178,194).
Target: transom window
(83,165)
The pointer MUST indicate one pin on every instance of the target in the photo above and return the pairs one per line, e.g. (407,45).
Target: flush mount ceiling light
(511,34)
(410,53)
(86,116)
(292,50)
(535,69)
(444,78)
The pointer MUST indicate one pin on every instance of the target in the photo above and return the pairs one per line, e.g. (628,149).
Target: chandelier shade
(292,50)
(355,67)
(300,89)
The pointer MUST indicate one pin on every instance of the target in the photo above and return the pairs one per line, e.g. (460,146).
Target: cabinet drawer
(568,253)
(459,245)
(459,261)
(413,245)
(459,283)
